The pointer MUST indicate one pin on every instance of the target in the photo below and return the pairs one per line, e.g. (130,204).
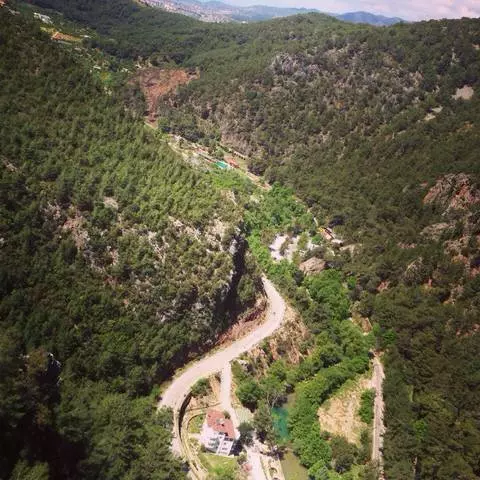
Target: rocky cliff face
(457,197)
(454,192)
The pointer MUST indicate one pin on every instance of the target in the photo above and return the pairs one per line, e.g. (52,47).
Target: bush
(201,388)
(249,393)
(246,433)
(366,406)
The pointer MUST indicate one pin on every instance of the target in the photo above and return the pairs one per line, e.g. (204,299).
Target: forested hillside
(379,130)
(376,130)
(117,266)
(131,30)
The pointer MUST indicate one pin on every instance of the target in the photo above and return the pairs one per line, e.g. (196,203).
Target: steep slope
(117,261)
(370,128)
(378,132)
(357,124)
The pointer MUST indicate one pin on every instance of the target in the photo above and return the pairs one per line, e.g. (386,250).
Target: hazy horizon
(407,9)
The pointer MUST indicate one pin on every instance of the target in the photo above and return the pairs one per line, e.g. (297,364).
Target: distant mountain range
(215,11)
(371,18)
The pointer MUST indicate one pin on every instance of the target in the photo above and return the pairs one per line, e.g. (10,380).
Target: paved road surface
(378,426)
(253,454)
(225,390)
(178,390)
(255,460)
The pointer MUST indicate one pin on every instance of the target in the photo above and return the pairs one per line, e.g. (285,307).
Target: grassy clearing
(195,425)
(216,463)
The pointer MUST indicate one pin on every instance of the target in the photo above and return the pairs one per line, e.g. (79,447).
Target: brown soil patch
(474,271)
(435,230)
(213,398)
(453,192)
(339,414)
(406,246)
(283,344)
(383,286)
(157,82)
(363,322)
(10,166)
(59,36)
(312,265)
(248,322)
(475,329)
(75,226)
(110,202)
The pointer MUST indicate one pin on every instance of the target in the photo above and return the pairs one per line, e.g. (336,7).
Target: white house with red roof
(218,433)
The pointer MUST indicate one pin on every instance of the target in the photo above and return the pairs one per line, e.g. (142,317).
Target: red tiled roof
(219,423)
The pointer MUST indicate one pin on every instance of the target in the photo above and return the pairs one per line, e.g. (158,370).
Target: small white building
(43,18)
(218,433)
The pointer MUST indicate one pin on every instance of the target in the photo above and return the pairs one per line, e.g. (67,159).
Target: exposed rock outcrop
(312,265)
(453,192)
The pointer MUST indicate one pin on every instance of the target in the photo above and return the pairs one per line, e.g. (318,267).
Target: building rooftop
(220,423)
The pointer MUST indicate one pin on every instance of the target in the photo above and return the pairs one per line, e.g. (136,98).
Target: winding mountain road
(179,389)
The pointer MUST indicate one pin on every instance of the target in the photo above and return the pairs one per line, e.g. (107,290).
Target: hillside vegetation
(376,130)
(131,30)
(379,131)
(118,264)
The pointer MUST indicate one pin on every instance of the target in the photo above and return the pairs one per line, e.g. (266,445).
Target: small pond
(292,469)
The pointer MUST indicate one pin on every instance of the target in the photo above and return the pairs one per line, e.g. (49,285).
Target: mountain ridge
(370,18)
(216,11)
(116,255)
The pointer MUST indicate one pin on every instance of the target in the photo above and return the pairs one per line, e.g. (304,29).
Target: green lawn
(195,425)
(214,463)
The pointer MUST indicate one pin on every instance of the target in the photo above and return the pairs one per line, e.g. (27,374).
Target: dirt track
(378,426)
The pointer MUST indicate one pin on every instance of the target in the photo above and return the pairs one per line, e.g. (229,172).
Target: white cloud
(424,9)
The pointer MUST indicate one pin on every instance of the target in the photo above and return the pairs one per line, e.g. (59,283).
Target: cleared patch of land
(157,82)
(465,93)
(63,37)
(339,415)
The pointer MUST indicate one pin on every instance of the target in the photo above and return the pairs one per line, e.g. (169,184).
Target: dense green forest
(370,129)
(130,30)
(118,264)
(376,129)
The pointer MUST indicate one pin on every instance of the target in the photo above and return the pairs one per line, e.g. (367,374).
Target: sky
(406,9)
